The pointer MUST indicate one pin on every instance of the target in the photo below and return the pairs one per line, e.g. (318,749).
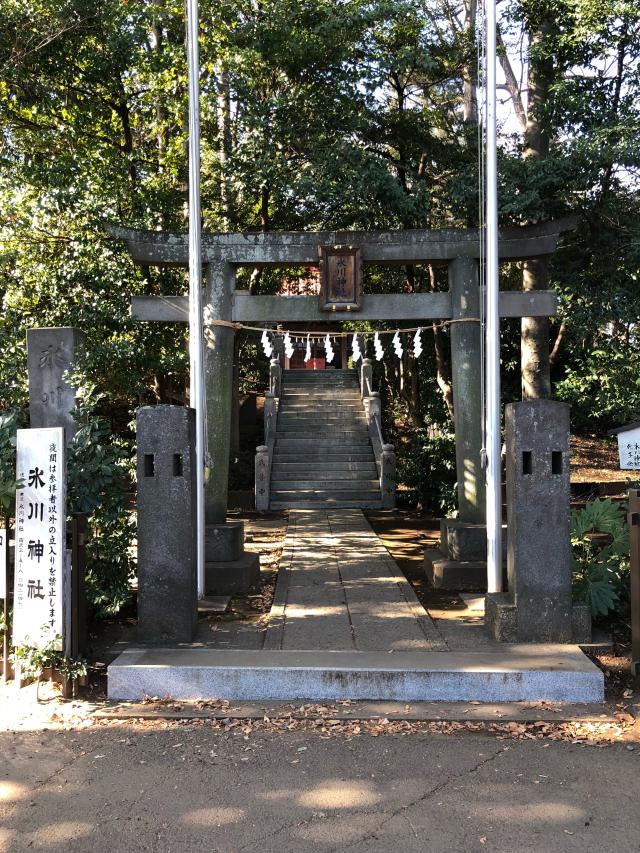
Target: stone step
(322,412)
(333,453)
(343,382)
(322,485)
(351,400)
(304,444)
(330,427)
(320,495)
(324,459)
(511,673)
(320,417)
(336,471)
(324,503)
(324,433)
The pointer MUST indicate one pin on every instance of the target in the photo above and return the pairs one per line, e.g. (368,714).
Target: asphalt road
(192,788)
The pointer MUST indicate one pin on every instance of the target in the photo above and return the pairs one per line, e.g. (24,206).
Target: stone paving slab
(339,589)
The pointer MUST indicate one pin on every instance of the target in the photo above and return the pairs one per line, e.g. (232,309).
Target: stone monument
(167,549)
(50,354)
(538,606)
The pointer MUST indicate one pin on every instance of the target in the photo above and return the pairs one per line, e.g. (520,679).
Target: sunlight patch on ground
(53,834)
(214,816)
(337,794)
(12,791)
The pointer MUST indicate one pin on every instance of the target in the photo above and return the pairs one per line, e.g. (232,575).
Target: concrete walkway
(340,590)
(346,625)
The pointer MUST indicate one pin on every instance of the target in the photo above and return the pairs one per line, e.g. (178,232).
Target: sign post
(40,536)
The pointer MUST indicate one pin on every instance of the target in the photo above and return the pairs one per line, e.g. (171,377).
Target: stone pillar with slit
(538,606)
(167,564)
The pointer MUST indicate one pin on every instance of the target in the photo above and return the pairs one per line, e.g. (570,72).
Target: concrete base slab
(224,542)
(473,601)
(463,541)
(445,573)
(233,577)
(501,621)
(515,673)
(214,604)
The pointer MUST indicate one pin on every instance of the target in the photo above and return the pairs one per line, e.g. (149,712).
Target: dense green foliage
(315,113)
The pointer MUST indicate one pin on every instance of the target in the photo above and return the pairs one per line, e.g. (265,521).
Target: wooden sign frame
(340,278)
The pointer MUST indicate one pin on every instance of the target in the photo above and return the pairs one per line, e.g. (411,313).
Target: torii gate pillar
(218,370)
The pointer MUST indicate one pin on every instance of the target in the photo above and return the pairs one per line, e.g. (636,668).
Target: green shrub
(426,467)
(100,482)
(600,564)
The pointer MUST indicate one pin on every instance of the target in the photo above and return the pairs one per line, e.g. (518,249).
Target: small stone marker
(538,607)
(40,560)
(628,446)
(167,553)
(50,354)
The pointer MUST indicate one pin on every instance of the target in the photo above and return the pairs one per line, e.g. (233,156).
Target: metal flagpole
(494,478)
(196,365)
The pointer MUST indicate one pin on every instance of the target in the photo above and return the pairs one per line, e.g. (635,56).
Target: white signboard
(40,536)
(629,448)
(3,562)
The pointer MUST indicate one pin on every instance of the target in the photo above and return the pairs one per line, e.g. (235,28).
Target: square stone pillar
(167,553)
(51,353)
(218,366)
(229,569)
(538,607)
(459,562)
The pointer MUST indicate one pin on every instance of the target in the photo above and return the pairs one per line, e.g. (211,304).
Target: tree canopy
(324,114)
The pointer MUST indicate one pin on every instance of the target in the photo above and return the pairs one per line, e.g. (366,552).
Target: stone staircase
(322,455)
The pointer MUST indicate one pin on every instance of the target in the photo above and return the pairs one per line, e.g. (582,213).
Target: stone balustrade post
(366,377)
(388,476)
(275,377)
(373,408)
(263,477)
(270,415)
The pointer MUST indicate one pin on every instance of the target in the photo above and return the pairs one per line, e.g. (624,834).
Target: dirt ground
(595,459)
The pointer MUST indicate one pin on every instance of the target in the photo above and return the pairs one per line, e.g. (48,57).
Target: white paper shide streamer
(355,349)
(417,344)
(266,344)
(377,345)
(307,352)
(397,344)
(288,346)
(328,350)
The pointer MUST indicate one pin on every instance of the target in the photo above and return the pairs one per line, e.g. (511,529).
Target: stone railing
(264,453)
(384,453)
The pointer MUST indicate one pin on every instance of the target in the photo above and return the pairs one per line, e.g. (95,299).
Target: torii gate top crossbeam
(276,248)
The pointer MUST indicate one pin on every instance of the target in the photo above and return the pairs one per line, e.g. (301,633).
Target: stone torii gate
(458,248)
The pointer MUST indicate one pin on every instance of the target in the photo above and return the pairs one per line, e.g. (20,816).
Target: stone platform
(514,673)
(346,624)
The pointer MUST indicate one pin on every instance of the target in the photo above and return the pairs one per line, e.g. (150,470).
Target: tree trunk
(224,144)
(469,72)
(534,346)
(534,352)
